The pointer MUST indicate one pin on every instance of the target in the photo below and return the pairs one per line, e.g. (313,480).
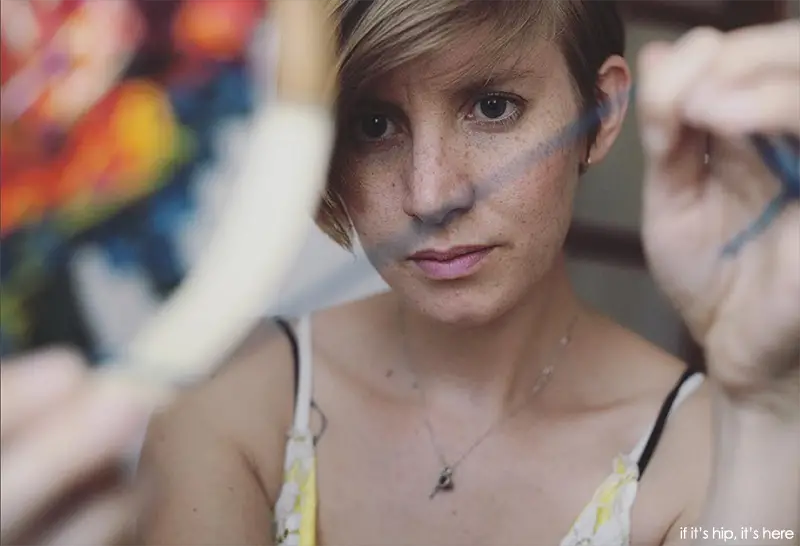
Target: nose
(438,189)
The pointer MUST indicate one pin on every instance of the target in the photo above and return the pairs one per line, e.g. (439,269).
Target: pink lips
(453,263)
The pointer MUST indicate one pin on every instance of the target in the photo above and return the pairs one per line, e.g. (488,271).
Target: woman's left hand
(706,93)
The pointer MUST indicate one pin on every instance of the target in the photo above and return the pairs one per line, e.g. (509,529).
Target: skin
(65,436)
(375,457)
(216,454)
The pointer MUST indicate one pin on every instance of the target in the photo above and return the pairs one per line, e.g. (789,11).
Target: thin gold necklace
(444,481)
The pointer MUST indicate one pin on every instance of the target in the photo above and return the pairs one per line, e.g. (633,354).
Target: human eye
(496,110)
(373,127)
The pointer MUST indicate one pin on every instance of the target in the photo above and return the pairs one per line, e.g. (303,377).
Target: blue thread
(780,156)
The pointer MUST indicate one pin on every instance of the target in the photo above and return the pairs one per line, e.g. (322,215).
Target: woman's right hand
(64,437)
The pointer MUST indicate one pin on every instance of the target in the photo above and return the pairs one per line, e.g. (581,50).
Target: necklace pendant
(444,482)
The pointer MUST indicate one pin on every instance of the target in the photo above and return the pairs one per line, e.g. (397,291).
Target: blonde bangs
(385,35)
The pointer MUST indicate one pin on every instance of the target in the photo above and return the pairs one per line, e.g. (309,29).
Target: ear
(613,81)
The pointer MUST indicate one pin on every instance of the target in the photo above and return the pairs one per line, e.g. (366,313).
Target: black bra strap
(284,325)
(661,421)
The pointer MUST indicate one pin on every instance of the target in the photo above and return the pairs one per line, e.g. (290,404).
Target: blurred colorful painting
(119,129)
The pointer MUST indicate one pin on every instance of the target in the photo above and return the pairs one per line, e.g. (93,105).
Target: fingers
(32,385)
(753,85)
(666,77)
(769,106)
(674,151)
(729,84)
(46,460)
(758,51)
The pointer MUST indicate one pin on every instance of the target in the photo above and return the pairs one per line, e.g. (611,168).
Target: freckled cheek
(535,208)
(373,195)
(542,185)
(546,186)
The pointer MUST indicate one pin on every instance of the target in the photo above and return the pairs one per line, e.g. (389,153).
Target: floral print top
(605,521)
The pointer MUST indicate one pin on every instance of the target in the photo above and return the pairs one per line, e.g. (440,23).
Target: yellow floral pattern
(296,509)
(606,519)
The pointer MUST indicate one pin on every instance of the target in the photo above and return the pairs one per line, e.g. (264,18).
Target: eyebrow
(500,78)
(463,83)
(471,81)
(370,104)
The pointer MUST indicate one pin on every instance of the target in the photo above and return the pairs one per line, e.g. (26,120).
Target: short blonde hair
(379,36)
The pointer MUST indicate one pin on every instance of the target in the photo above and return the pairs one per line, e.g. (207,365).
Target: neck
(493,363)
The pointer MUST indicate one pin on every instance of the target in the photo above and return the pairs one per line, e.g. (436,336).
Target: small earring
(588,161)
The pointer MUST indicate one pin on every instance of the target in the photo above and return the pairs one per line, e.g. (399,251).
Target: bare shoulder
(216,454)
(627,368)
(677,474)
(642,376)
(686,444)
(248,401)
(653,373)
(656,373)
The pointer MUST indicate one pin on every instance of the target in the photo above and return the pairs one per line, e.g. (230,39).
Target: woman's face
(454,218)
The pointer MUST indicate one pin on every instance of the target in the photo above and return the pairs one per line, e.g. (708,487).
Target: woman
(479,401)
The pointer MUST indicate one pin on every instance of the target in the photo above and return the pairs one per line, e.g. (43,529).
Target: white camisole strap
(305,374)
